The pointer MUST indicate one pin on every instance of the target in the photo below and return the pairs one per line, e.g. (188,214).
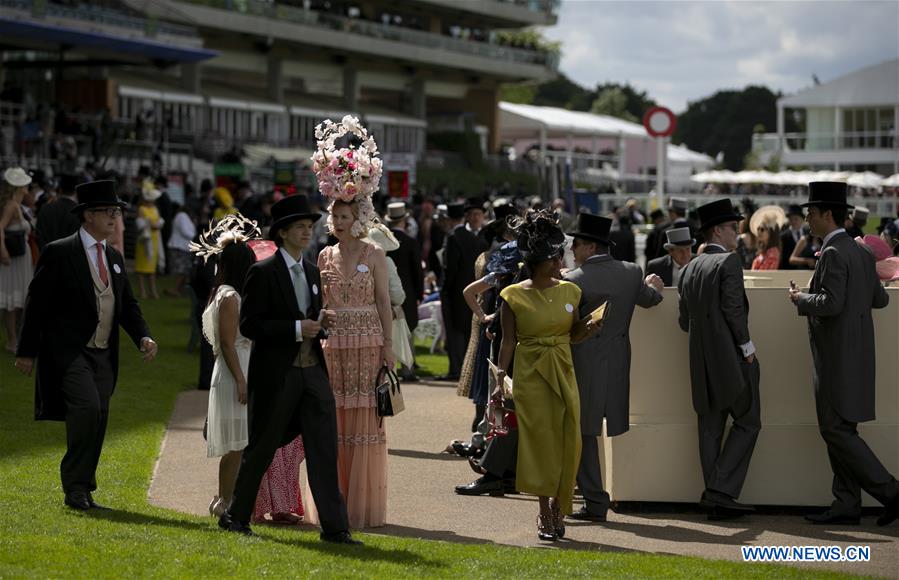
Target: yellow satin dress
(547,404)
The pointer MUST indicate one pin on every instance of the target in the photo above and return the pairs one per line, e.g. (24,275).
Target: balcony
(100,17)
(373,38)
(511,12)
(870,147)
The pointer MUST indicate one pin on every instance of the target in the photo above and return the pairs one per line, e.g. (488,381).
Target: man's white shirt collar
(289,259)
(88,240)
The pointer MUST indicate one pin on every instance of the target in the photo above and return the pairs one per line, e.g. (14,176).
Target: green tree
(724,122)
(612,101)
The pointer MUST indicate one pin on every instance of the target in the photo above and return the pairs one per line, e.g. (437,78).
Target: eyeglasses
(110,211)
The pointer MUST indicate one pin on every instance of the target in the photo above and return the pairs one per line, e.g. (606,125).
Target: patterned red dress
(279,492)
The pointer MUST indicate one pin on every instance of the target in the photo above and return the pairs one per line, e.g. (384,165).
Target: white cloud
(680,51)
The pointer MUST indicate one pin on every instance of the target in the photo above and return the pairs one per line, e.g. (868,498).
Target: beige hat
(16,177)
(383,237)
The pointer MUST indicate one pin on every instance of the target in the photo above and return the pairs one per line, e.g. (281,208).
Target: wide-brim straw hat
(772,217)
(17,177)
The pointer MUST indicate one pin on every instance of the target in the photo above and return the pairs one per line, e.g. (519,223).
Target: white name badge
(569,308)
(116,268)
(315,289)
(362,268)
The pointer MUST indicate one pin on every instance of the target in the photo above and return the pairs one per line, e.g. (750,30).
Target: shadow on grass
(367,552)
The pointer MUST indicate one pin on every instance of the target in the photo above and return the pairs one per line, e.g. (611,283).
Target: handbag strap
(390,375)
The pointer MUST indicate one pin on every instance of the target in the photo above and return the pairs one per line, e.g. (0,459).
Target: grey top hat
(396,211)
(678,237)
(860,215)
(678,203)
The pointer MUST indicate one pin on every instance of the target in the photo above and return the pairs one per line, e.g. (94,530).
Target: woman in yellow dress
(148,256)
(539,321)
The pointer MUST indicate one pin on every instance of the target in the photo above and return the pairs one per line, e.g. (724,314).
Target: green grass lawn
(41,538)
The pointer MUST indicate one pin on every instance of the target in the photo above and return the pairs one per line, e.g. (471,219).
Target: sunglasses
(110,211)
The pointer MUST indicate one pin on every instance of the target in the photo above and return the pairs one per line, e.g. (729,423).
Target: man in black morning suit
(462,247)
(287,382)
(843,290)
(77,300)
(724,371)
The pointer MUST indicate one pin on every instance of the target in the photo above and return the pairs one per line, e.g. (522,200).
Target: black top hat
(827,193)
(68,182)
(656,214)
(97,194)
(794,209)
(594,228)
(501,212)
(474,203)
(455,211)
(288,210)
(717,212)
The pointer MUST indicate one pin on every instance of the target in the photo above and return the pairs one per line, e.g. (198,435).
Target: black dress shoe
(409,377)
(447,378)
(227,523)
(343,537)
(78,500)
(831,518)
(585,516)
(94,505)
(890,512)
(480,486)
(712,500)
(720,514)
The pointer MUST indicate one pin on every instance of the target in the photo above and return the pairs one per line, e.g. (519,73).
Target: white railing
(772,142)
(100,15)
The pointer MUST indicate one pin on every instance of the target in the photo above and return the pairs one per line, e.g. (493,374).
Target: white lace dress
(227,430)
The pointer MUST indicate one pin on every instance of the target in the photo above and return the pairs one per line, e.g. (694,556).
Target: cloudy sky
(680,51)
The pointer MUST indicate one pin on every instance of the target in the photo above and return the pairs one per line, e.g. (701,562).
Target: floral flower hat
(351,173)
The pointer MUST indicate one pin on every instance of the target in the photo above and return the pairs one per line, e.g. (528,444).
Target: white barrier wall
(658,459)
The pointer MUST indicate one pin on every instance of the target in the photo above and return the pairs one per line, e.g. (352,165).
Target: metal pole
(660,170)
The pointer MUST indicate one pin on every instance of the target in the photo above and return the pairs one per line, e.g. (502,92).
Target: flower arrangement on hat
(538,234)
(348,174)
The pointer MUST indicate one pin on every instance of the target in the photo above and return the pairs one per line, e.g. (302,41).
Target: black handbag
(388,393)
(15,242)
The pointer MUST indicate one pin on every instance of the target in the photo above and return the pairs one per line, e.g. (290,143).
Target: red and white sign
(659,122)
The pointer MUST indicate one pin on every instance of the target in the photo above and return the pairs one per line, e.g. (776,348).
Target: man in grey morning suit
(724,372)
(844,289)
(602,364)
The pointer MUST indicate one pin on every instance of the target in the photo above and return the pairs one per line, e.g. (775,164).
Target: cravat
(299,288)
(101,266)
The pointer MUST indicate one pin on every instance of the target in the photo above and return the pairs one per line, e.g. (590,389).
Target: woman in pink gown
(354,276)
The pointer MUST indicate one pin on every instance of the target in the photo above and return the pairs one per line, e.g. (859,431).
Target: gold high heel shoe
(546,529)
(215,500)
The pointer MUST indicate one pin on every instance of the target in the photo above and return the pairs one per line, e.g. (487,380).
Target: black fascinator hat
(539,236)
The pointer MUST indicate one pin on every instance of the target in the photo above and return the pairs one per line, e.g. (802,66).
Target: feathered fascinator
(351,173)
(228,230)
(505,260)
(539,235)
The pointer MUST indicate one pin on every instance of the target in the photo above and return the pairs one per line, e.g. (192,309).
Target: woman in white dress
(15,254)
(227,416)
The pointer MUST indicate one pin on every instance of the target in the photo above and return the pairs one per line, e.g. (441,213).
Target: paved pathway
(422,504)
